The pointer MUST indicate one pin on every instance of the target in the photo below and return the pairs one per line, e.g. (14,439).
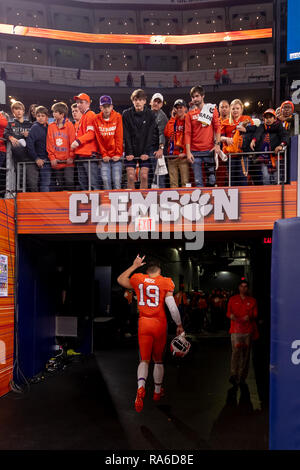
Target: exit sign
(144,224)
(268,240)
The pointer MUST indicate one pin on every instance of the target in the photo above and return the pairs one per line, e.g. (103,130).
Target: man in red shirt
(117,80)
(242,311)
(85,145)
(225,77)
(202,136)
(153,292)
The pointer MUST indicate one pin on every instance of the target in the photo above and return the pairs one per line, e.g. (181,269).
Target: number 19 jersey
(151,293)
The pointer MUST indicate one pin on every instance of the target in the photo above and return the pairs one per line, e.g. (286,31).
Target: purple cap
(105,99)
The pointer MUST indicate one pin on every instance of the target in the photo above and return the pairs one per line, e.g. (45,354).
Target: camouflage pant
(240,357)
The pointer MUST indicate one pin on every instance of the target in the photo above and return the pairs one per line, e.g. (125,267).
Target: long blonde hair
(236,101)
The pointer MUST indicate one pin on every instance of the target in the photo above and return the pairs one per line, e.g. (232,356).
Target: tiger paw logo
(195,206)
(157,39)
(59,142)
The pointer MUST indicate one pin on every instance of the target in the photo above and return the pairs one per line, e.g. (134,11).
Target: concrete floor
(90,405)
(200,409)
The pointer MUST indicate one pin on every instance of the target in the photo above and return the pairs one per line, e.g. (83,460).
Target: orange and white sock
(142,373)
(158,375)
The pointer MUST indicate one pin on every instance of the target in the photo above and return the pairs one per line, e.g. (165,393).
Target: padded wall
(285,336)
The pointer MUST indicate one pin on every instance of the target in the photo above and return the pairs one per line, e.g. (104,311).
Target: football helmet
(180,346)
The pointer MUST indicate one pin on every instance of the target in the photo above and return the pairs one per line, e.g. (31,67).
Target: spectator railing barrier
(10,173)
(250,168)
(257,168)
(95,78)
(7,173)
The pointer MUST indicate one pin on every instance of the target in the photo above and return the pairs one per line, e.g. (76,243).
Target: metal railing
(7,173)
(95,78)
(258,167)
(250,168)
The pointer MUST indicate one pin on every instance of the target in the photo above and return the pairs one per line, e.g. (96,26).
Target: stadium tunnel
(68,293)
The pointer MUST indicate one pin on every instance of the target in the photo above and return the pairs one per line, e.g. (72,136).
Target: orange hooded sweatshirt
(85,135)
(109,134)
(59,142)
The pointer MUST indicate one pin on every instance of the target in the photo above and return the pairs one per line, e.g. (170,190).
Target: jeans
(83,172)
(65,178)
(272,177)
(237,176)
(45,177)
(111,172)
(209,165)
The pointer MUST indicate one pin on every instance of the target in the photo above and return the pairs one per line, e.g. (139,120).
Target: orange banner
(217,209)
(135,38)
(7,249)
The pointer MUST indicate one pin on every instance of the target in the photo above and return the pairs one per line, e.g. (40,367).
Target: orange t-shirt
(128,296)
(240,308)
(198,135)
(222,120)
(202,304)
(151,293)
(180,298)
(228,130)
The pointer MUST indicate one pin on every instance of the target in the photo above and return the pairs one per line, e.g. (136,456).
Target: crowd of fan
(201,312)
(204,311)
(190,148)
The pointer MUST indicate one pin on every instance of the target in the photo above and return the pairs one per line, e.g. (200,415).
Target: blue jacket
(36,142)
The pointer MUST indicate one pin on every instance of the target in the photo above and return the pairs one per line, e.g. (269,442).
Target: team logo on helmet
(180,346)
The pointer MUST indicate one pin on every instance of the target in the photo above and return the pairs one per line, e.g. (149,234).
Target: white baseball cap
(157,96)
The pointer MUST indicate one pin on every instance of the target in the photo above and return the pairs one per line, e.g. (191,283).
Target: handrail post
(89,175)
(10,172)
(24,177)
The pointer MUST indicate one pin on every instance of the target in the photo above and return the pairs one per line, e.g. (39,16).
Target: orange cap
(82,96)
(270,111)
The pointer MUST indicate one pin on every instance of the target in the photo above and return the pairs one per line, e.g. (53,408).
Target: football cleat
(180,346)
(158,396)
(140,395)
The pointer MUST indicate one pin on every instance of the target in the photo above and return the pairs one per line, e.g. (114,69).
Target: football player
(153,292)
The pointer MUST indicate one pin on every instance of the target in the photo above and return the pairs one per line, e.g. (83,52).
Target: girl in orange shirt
(231,136)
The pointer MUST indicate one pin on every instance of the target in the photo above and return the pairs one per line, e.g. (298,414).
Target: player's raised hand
(138,262)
